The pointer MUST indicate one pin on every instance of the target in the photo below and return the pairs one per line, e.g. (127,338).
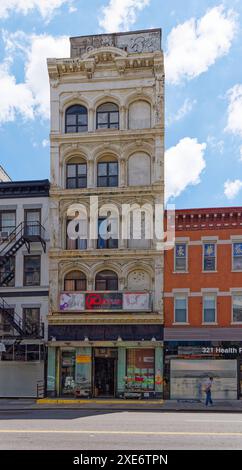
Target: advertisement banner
(136,301)
(72,302)
(104,301)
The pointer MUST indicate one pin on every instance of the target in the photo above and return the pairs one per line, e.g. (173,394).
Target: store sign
(104,301)
(83,359)
(72,301)
(209,350)
(127,301)
(138,301)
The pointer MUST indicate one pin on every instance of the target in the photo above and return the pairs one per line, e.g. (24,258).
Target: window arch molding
(75,171)
(107,171)
(75,280)
(106,279)
(76,119)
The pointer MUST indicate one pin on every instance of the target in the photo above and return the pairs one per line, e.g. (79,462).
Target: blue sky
(202,42)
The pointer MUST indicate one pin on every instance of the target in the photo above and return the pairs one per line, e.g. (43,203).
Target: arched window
(76,173)
(106,280)
(108,116)
(107,172)
(75,281)
(76,119)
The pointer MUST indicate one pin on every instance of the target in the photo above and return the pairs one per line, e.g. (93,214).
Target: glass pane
(209,302)
(102,169)
(102,181)
(113,169)
(82,182)
(82,169)
(8,220)
(82,129)
(180,316)
(81,285)
(112,284)
(71,183)
(71,170)
(102,118)
(103,126)
(71,119)
(69,285)
(68,383)
(32,216)
(107,107)
(237,263)
(70,129)
(209,315)
(82,119)
(114,117)
(180,264)
(209,264)
(140,370)
(114,126)
(181,304)
(113,181)
(100,284)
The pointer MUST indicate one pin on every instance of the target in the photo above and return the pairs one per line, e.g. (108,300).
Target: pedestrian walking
(208,391)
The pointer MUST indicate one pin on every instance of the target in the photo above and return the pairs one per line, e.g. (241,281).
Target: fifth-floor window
(237,257)
(180,257)
(209,257)
(108,116)
(76,119)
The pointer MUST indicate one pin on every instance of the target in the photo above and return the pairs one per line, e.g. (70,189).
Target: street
(104,430)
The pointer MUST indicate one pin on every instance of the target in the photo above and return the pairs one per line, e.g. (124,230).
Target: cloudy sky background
(202,42)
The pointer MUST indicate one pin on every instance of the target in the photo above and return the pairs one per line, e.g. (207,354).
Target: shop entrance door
(68,363)
(105,360)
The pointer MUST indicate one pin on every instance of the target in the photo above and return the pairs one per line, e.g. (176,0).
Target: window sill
(180,272)
(209,323)
(209,272)
(236,322)
(236,270)
(180,323)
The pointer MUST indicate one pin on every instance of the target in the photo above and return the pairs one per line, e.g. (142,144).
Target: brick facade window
(180,309)
(209,257)
(209,309)
(180,257)
(237,256)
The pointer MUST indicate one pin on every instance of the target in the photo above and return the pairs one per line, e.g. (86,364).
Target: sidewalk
(119,405)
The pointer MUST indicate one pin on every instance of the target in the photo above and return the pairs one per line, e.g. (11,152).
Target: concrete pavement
(136,405)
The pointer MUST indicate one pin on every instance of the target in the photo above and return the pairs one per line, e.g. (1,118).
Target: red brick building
(203,304)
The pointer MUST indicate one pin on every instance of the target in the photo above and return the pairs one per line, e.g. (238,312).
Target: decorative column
(123,181)
(91,121)
(122,124)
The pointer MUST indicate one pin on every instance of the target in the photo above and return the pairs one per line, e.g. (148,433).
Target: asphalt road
(100,430)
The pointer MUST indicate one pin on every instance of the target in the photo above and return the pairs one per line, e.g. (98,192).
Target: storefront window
(140,369)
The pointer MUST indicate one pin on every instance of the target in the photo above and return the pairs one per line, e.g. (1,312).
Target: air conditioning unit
(4,235)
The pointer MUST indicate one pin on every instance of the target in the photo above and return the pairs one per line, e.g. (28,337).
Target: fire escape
(24,234)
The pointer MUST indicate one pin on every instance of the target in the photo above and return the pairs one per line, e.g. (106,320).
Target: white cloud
(45,143)
(121,14)
(232,188)
(184,164)
(193,46)
(15,98)
(36,68)
(215,144)
(234,123)
(31,97)
(185,109)
(45,7)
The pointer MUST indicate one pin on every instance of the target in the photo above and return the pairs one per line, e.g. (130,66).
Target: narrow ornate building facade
(107,142)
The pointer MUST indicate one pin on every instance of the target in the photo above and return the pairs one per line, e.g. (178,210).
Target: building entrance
(105,372)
